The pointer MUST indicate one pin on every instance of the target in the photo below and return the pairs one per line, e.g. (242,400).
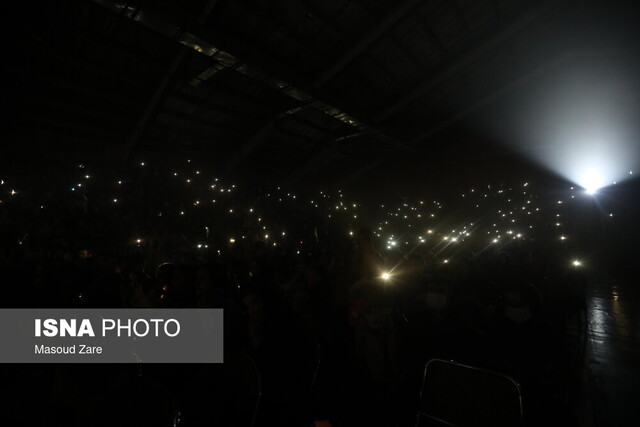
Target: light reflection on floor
(611,377)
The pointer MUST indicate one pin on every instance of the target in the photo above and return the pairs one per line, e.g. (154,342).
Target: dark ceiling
(286,90)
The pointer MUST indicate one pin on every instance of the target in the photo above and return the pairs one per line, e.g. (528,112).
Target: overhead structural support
(149,112)
(225,60)
(158,95)
(464,62)
(155,23)
(364,43)
(322,158)
(362,171)
(250,145)
(421,137)
(259,137)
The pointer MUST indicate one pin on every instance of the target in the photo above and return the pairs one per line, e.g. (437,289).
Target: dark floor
(610,392)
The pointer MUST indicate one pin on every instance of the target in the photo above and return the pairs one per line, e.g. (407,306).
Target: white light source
(385,276)
(592,182)
(582,123)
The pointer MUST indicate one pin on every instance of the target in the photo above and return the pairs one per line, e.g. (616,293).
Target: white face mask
(436,302)
(518,315)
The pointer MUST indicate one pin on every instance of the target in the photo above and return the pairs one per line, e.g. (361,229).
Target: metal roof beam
(251,144)
(322,158)
(522,80)
(464,62)
(364,43)
(159,93)
(225,60)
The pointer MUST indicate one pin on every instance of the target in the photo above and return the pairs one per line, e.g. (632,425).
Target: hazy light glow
(579,122)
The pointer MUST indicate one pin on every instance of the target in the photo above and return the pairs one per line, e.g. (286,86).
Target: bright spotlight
(591,182)
(386,276)
(577,263)
(580,122)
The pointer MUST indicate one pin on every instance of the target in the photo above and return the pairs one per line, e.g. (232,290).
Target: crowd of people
(323,318)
